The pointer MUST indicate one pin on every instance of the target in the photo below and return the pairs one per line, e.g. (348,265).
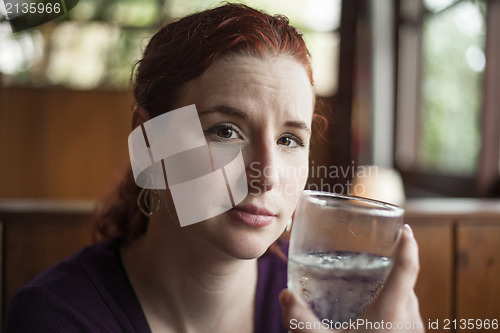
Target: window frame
(420,183)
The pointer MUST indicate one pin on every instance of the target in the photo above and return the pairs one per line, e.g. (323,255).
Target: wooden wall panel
(434,284)
(478,271)
(62,143)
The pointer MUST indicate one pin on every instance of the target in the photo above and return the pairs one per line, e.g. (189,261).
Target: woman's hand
(394,310)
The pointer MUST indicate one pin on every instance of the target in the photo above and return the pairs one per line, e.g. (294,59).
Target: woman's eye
(290,141)
(224,132)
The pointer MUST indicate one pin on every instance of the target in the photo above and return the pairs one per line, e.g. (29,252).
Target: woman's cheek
(294,184)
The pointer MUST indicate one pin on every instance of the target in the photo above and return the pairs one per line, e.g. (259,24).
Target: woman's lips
(252,215)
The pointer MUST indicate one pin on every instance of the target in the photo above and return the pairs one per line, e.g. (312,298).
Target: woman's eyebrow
(232,111)
(226,110)
(298,124)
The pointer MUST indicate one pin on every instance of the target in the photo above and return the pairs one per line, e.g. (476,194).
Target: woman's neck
(184,284)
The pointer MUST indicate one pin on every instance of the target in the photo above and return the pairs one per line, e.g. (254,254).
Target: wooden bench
(37,234)
(459,246)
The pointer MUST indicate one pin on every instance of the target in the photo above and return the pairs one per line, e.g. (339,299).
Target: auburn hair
(182,51)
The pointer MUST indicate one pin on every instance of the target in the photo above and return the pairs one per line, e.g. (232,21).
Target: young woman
(249,76)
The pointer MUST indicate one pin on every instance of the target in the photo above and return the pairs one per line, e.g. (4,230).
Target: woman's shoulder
(83,293)
(40,308)
(73,274)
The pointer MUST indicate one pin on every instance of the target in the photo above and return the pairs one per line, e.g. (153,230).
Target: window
(97,43)
(445,136)
(93,46)
(452,77)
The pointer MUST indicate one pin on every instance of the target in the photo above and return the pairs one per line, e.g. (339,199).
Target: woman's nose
(263,169)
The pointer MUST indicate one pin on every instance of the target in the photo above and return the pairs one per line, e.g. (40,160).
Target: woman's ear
(139,116)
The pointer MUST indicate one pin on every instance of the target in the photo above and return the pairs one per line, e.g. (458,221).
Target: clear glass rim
(382,208)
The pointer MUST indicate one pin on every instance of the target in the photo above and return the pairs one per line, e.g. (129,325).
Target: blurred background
(410,87)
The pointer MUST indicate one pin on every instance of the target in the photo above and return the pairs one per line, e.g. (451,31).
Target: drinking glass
(340,253)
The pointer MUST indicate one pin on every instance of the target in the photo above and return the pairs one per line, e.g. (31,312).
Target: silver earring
(289,225)
(148,202)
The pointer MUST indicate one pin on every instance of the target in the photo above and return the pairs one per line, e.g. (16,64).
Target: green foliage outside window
(453,64)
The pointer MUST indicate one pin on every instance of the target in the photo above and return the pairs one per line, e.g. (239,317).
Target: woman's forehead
(239,79)
(274,67)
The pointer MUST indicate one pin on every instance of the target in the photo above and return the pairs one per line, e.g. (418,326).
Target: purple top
(90,292)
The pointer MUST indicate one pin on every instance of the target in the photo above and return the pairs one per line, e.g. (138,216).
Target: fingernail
(408,229)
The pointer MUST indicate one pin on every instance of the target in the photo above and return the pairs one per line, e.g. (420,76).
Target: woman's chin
(246,246)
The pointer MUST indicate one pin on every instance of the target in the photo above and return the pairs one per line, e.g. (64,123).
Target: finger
(297,316)
(401,281)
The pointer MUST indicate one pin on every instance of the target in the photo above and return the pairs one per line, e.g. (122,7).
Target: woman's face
(264,105)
